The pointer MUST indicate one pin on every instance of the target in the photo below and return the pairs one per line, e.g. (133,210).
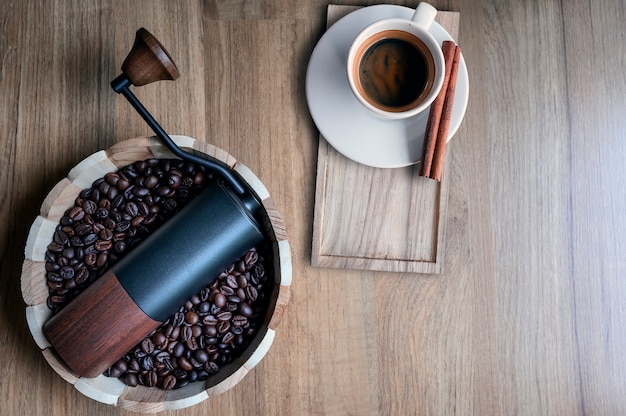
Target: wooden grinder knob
(148,61)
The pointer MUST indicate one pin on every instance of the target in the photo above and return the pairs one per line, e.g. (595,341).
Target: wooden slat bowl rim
(34,290)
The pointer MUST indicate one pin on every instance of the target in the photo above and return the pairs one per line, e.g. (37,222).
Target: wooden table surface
(529,316)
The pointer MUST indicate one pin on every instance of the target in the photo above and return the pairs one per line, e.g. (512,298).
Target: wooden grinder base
(104,301)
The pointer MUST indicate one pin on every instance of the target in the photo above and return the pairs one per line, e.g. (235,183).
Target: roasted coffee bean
(191,318)
(170,204)
(210,340)
(83,229)
(66,272)
(178,319)
(220,300)
(201,356)
(162,356)
(227,290)
(258,271)
(182,193)
(102,213)
(130,379)
(122,226)
(147,346)
(239,320)
(184,364)
(211,367)
(113,372)
(137,221)
(101,260)
(52,265)
(140,192)
(204,307)
(204,294)
(81,276)
(60,237)
(251,293)
(223,327)
(139,353)
(121,365)
(55,247)
(90,259)
(198,178)
(185,333)
(251,257)
(55,285)
(169,382)
(146,363)
(242,282)
(228,337)
(167,328)
(76,241)
(159,340)
(117,201)
(245,309)
(143,208)
(151,181)
(106,234)
(133,366)
(104,187)
(179,350)
(209,320)
(112,194)
(123,184)
(90,239)
(131,208)
(174,179)
(175,333)
(55,277)
(196,331)
(233,299)
(95,195)
(224,316)
(151,378)
(231,281)
(76,214)
(192,344)
(103,245)
(112,178)
(119,247)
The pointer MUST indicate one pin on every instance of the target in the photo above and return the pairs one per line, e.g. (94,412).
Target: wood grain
(528,317)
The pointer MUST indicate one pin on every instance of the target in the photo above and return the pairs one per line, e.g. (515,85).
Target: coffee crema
(395,71)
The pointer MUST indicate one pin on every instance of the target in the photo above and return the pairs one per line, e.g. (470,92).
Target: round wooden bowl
(35,290)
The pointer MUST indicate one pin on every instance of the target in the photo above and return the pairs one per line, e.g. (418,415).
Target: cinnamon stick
(434,116)
(446,116)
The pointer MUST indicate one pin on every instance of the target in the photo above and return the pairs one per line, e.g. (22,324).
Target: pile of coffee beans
(114,216)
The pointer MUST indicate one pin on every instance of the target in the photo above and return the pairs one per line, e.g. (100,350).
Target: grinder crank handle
(148,62)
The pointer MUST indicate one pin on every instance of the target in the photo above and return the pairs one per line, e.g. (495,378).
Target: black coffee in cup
(395,70)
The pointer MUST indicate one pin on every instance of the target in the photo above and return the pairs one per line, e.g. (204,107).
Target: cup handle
(424,15)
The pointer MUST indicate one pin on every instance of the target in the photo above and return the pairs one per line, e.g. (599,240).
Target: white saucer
(348,126)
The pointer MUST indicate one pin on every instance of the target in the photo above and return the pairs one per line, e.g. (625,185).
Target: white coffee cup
(395,66)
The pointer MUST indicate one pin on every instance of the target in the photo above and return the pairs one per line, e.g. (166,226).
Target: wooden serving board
(378,219)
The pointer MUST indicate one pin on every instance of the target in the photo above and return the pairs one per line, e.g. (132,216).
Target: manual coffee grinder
(148,285)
